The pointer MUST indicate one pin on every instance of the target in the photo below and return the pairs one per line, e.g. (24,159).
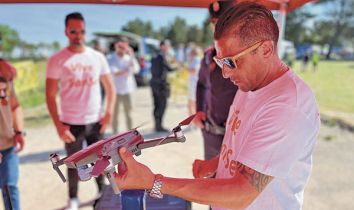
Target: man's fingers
(198,123)
(19,148)
(68,137)
(71,136)
(126,156)
(196,169)
(103,128)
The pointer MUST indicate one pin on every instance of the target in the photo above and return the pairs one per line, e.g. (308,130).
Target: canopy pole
(281,25)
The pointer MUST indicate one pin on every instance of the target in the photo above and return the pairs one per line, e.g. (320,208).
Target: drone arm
(56,162)
(109,172)
(160,141)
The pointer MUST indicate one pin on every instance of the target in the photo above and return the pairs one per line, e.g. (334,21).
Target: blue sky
(45,22)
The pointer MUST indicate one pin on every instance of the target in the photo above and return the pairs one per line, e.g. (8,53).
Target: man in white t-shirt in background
(266,156)
(123,65)
(78,70)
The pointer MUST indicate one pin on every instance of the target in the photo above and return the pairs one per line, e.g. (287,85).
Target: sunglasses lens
(229,62)
(77,32)
(218,62)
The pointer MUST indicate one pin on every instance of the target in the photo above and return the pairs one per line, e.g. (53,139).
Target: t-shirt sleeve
(53,72)
(104,65)
(276,140)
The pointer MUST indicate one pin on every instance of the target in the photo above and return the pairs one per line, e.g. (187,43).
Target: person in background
(180,54)
(305,60)
(315,58)
(214,93)
(78,70)
(12,135)
(273,122)
(123,65)
(193,70)
(159,85)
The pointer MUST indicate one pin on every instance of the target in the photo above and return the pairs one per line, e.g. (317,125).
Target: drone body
(102,156)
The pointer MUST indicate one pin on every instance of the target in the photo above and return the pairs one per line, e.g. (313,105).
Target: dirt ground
(330,186)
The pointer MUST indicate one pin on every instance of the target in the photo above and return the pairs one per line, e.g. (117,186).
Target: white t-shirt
(193,78)
(273,130)
(79,76)
(124,84)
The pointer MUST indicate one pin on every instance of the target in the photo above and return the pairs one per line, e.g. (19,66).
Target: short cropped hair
(122,39)
(248,21)
(74,16)
(218,7)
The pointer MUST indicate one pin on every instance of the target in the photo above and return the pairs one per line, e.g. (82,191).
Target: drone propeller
(187,121)
(140,125)
(100,166)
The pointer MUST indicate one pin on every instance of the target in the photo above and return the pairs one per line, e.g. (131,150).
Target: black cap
(218,7)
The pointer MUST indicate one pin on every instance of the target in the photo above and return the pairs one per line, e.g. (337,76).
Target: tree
(194,34)
(322,32)
(139,27)
(207,33)
(10,39)
(55,46)
(296,29)
(177,32)
(340,16)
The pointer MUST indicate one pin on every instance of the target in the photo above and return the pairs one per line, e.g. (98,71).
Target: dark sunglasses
(73,31)
(231,62)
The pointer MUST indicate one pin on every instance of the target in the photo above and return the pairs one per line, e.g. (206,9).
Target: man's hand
(199,119)
(20,142)
(135,175)
(64,133)
(205,168)
(130,51)
(105,121)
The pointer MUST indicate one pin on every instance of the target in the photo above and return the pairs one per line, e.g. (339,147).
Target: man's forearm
(53,110)
(228,193)
(17,115)
(110,93)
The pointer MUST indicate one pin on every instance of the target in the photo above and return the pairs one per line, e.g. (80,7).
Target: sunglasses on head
(231,62)
(73,31)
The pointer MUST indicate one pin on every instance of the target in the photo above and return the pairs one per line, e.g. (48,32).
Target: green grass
(332,83)
(35,97)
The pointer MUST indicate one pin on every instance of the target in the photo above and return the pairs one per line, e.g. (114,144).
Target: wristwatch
(155,191)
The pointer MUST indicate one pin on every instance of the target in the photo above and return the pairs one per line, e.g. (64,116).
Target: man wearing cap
(11,135)
(159,84)
(271,130)
(214,93)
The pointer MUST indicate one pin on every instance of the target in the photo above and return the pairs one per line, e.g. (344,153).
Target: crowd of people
(259,121)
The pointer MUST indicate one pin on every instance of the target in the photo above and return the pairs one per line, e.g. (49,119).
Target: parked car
(144,48)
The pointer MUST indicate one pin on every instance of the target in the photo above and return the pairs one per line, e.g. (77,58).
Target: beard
(78,42)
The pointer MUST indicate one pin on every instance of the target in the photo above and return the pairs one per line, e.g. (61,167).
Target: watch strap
(155,191)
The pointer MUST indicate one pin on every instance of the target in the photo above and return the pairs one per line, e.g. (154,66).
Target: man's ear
(66,32)
(268,49)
